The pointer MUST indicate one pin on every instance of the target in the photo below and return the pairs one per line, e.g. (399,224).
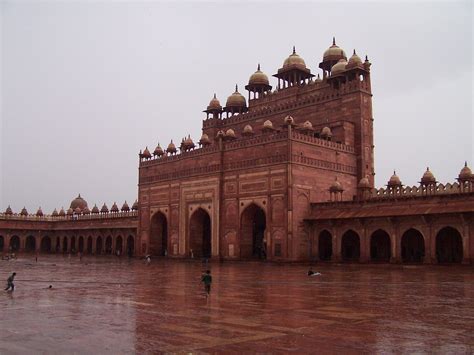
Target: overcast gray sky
(86,85)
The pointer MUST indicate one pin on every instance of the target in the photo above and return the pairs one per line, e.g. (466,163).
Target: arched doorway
(81,244)
(98,245)
(30,244)
(252,233)
(2,243)
(65,245)
(108,245)
(413,246)
(45,245)
(130,246)
(58,245)
(89,245)
(380,246)
(350,246)
(15,243)
(73,244)
(159,235)
(449,246)
(325,246)
(118,245)
(200,234)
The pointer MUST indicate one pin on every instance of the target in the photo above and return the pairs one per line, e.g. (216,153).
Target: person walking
(207,280)
(10,282)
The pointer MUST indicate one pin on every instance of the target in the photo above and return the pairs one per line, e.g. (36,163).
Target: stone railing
(74,217)
(321,142)
(408,191)
(182,155)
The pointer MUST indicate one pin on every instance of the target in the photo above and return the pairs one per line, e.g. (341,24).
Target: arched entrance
(15,243)
(81,244)
(45,245)
(252,233)
(130,246)
(89,245)
(98,245)
(58,245)
(380,246)
(108,245)
(325,246)
(2,243)
(73,244)
(30,244)
(449,246)
(118,245)
(65,245)
(159,235)
(200,234)
(413,246)
(350,246)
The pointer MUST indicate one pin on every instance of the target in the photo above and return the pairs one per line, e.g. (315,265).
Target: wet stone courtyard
(116,305)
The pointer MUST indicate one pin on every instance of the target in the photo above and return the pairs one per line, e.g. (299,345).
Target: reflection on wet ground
(112,305)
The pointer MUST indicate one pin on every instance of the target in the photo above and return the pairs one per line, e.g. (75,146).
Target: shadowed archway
(118,245)
(14,243)
(130,246)
(64,244)
(30,244)
(45,244)
(159,235)
(2,242)
(412,246)
(89,245)
(80,243)
(380,246)
(350,246)
(252,233)
(98,245)
(108,245)
(449,246)
(325,246)
(200,234)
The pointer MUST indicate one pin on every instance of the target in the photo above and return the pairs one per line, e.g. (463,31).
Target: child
(207,280)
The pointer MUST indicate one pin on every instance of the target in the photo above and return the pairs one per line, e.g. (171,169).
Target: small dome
(364,183)
(288,120)
(230,133)
(95,209)
(465,173)
(236,99)
(171,148)
(114,208)
(70,212)
(135,206)
(78,202)
(104,209)
(258,78)
(55,213)
(204,139)
(188,143)
(125,207)
(9,211)
(24,212)
(428,177)
(86,211)
(336,186)
(158,151)
(39,213)
(146,153)
(339,67)
(268,124)
(394,180)
(214,104)
(220,134)
(308,125)
(248,130)
(61,212)
(354,61)
(294,60)
(326,132)
(334,52)
(77,211)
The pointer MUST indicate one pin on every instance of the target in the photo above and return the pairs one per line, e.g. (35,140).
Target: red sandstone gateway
(290,176)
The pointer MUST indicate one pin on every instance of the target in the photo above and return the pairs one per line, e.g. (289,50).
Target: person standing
(10,282)
(207,280)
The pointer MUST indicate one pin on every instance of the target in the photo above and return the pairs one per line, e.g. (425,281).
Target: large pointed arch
(449,246)
(200,232)
(380,246)
(253,223)
(325,246)
(350,246)
(412,246)
(159,234)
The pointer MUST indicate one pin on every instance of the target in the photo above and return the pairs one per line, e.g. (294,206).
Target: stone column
(336,247)
(364,246)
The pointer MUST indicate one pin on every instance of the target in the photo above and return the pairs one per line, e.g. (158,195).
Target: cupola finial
(333,41)
(294,50)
